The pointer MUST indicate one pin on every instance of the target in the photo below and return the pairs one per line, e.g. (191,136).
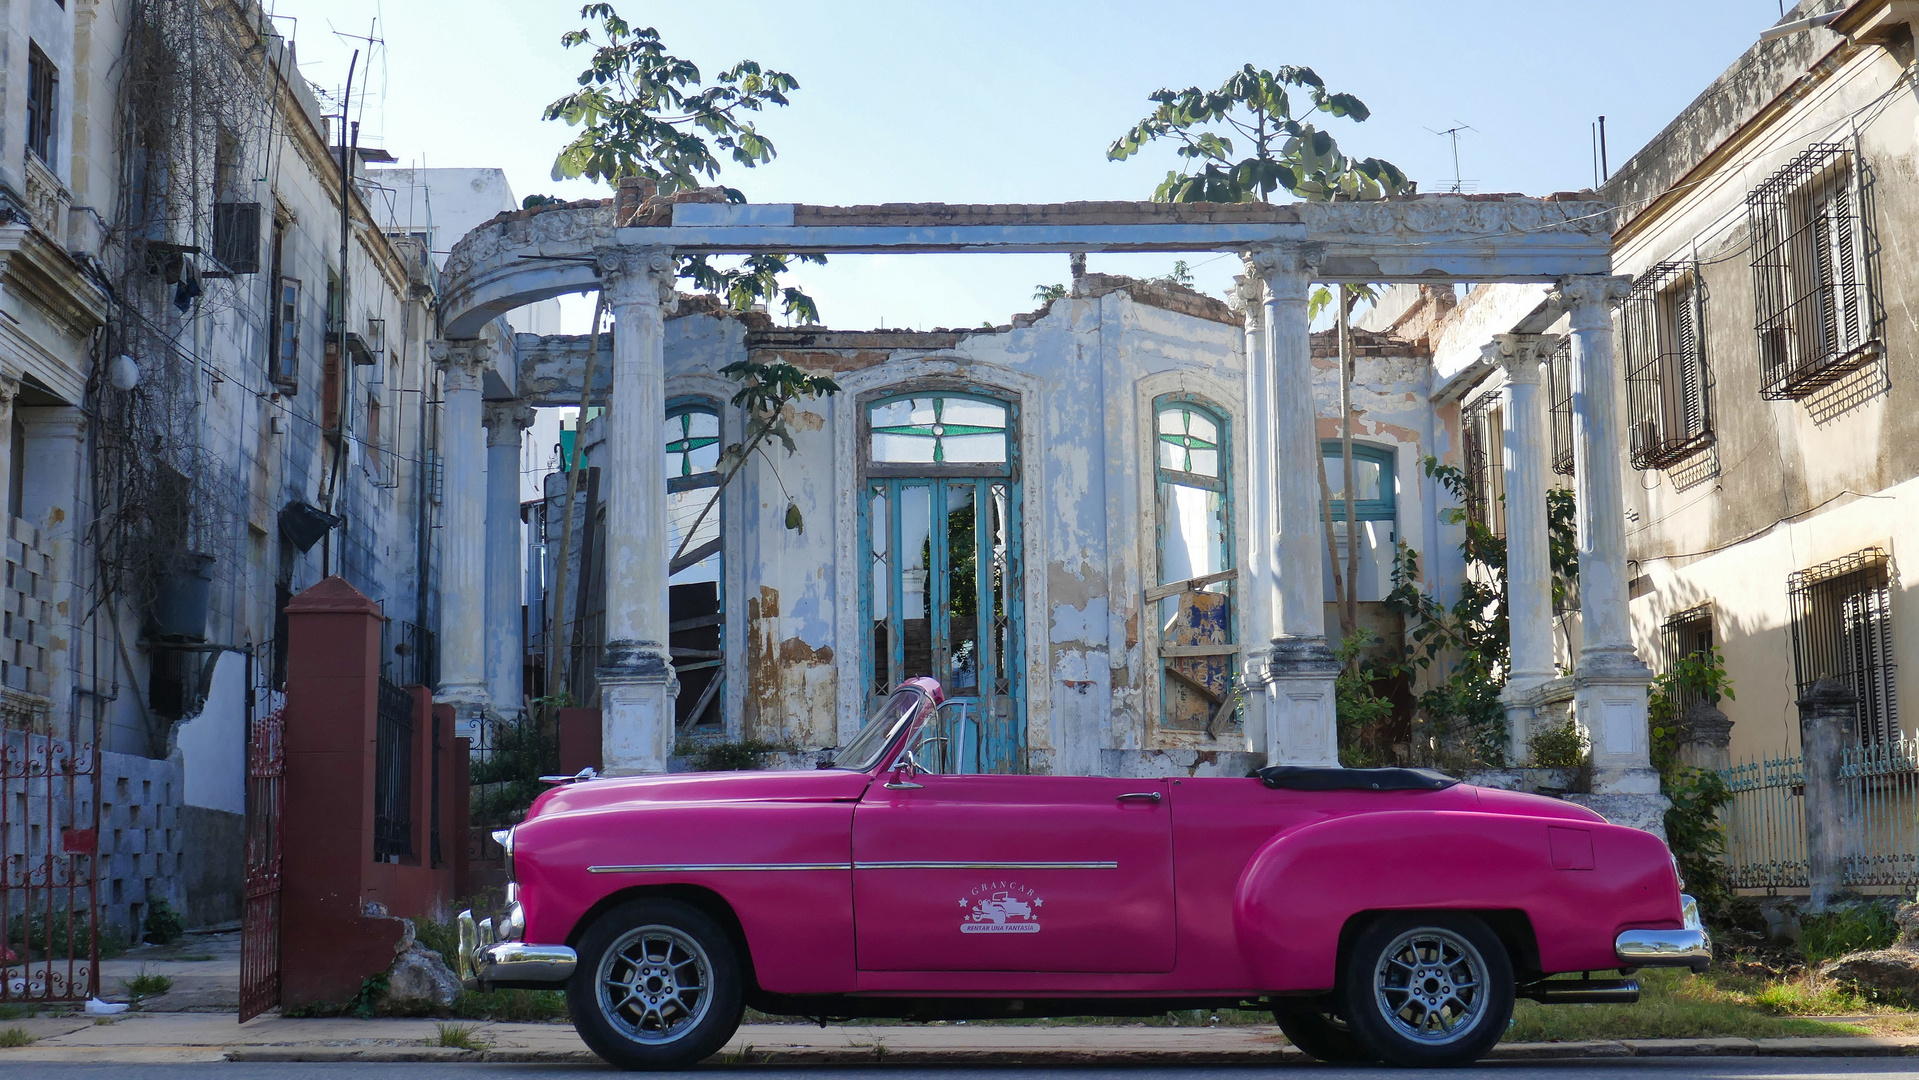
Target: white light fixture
(123,373)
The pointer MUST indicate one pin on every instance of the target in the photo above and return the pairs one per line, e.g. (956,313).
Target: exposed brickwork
(1159,294)
(1365,343)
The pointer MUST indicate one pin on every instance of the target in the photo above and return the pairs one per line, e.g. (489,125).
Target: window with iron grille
(1668,385)
(1484,452)
(1842,630)
(1687,633)
(1559,397)
(43,90)
(1812,286)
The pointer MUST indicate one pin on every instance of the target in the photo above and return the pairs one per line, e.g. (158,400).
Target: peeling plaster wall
(1084,371)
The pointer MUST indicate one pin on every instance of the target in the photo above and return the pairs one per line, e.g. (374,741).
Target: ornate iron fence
(393,775)
(1766,825)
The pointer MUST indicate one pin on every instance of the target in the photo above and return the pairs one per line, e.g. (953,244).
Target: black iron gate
(49,843)
(260,922)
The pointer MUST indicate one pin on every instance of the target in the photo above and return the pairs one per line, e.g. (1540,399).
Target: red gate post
(331,946)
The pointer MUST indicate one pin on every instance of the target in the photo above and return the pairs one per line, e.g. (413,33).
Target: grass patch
(515,1006)
(14,1010)
(147,984)
(14,1036)
(1846,930)
(459,1037)
(1672,1005)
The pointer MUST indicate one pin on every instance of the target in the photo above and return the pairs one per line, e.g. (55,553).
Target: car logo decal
(1001,907)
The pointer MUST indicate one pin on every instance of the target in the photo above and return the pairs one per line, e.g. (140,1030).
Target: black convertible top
(1332,778)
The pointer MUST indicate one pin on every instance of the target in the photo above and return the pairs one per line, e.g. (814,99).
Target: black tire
(1322,1037)
(1427,990)
(678,981)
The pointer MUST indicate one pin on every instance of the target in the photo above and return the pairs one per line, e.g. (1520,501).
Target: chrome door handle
(1150,796)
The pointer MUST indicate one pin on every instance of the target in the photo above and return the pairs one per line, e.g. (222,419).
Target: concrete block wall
(142,840)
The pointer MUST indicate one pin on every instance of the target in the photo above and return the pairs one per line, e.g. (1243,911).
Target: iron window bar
(1559,396)
(1668,382)
(1687,633)
(1483,466)
(1814,308)
(1842,630)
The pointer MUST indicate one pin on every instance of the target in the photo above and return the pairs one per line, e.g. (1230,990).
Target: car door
(1013,873)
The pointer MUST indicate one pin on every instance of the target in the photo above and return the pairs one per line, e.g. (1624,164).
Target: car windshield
(865,749)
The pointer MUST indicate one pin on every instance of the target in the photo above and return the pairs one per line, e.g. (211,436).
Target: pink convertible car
(1380,914)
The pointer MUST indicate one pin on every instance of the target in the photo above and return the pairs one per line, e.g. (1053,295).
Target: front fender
(1297,893)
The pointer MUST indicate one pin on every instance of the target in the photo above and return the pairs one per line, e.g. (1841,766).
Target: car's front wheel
(658,986)
(1427,990)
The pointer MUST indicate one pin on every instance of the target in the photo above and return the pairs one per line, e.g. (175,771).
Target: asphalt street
(1639,1069)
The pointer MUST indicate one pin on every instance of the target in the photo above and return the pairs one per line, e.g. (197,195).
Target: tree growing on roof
(1256,106)
(644,112)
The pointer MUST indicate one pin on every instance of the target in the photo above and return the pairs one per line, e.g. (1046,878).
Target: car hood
(821,785)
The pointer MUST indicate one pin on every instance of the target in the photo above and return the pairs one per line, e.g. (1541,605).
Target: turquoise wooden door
(939,546)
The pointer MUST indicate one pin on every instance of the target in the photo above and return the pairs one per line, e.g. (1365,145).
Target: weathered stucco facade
(1738,538)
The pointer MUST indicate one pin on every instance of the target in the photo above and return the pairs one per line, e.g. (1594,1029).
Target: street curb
(752,1056)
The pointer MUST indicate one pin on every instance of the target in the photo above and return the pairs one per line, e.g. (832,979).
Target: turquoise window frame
(1384,508)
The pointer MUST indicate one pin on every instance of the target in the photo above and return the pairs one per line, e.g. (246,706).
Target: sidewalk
(187,1037)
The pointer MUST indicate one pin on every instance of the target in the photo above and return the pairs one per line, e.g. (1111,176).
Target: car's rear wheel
(1427,989)
(1322,1037)
(658,986)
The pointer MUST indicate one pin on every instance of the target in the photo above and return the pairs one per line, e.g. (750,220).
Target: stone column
(55,450)
(1301,728)
(1256,588)
(1529,578)
(1610,694)
(637,686)
(462,633)
(1826,716)
(505,422)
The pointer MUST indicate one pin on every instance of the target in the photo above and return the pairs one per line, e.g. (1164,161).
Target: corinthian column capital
(1287,268)
(637,275)
(1589,298)
(463,360)
(505,420)
(1520,355)
(1251,294)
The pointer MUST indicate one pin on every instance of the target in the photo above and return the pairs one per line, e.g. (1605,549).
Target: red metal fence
(49,842)
(260,922)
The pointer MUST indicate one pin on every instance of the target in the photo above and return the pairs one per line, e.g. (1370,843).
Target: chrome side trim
(714,868)
(709,868)
(986,865)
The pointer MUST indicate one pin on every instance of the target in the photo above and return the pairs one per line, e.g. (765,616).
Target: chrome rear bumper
(1690,947)
(486,963)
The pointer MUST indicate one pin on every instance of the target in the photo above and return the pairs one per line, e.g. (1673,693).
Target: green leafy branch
(1288,152)
(766,390)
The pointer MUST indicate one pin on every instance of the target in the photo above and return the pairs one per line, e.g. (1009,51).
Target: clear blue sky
(1017,102)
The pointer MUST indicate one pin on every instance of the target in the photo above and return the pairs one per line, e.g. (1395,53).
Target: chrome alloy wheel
(655,984)
(1430,985)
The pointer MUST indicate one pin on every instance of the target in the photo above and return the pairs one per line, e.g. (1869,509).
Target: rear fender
(1303,891)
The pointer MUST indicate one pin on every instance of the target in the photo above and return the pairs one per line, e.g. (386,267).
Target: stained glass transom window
(1188,441)
(692,441)
(939,429)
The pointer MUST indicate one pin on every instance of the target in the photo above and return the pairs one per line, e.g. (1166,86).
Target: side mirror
(907,767)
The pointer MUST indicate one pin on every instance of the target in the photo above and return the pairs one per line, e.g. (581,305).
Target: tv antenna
(1453,133)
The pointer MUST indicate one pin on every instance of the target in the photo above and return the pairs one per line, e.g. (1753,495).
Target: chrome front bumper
(1690,947)
(486,963)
